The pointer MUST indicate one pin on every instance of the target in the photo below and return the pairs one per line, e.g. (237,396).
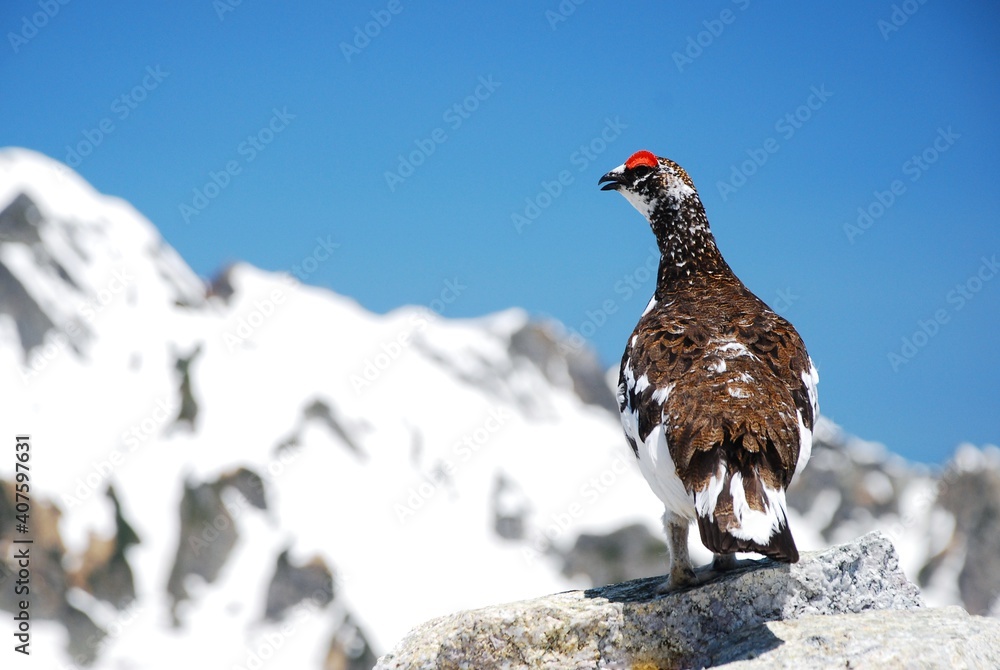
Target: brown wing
(736,368)
(735,373)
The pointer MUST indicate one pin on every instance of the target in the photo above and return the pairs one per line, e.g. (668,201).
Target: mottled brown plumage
(676,348)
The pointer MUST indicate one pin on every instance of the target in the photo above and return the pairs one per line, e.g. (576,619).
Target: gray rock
(729,617)
(943,637)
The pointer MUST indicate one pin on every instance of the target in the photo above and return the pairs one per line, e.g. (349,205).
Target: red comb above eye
(641,158)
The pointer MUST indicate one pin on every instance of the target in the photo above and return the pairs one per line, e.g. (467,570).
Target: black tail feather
(780,547)
(716,529)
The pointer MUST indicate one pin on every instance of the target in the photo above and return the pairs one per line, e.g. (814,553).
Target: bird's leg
(723,562)
(681,571)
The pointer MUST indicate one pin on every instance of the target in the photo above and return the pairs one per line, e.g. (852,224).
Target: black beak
(614,181)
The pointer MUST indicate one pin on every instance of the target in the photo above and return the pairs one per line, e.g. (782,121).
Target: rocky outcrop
(947,518)
(758,612)
(941,637)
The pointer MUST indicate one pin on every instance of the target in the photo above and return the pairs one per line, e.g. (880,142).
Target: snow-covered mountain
(257,472)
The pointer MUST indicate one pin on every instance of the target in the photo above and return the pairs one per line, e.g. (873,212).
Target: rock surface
(942,637)
(761,614)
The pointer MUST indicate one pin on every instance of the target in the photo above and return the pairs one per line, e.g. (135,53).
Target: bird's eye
(641,170)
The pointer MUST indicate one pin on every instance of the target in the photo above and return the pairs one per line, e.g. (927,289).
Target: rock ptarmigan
(717,392)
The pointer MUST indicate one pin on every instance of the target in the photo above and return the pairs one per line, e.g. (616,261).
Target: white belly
(658,468)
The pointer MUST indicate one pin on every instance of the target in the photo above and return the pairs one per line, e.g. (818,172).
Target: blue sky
(459,145)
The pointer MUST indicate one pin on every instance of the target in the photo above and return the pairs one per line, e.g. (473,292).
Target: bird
(717,392)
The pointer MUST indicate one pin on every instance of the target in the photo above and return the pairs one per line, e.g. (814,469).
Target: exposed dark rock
(292,584)
(32,322)
(188,412)
(19,221)
(19,224)
(248,483)
(221,285)
(49,580)
(208,530)
(349,649)
(559,359)
(628,553)
(321,411)
(105,571)
(510,507)
(973,497)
